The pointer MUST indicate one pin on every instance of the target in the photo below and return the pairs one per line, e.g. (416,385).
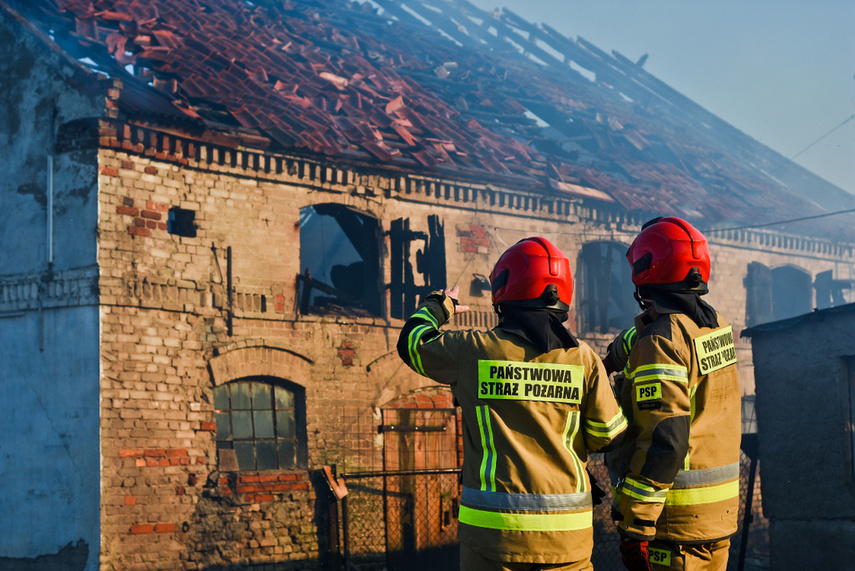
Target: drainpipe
(50,212)
(49,238)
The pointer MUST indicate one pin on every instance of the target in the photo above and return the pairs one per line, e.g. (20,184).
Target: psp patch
(648,396)
(659,556)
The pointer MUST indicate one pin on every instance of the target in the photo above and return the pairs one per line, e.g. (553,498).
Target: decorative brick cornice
(50,289)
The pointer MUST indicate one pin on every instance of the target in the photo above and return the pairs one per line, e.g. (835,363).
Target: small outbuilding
(804,371)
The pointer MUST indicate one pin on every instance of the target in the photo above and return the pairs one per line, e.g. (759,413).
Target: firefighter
(677,469)
(534,400)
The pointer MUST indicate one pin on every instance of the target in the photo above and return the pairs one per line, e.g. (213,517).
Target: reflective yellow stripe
(488,450)
(571,428)
(692,391)
(642,492)
(415,337)
(527,521)
(427,315)
(628,339)
(606,429)
(705,495)
(664,372)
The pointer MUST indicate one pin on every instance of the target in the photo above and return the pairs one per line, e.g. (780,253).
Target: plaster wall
(37,106)
(49,433)
(49,323)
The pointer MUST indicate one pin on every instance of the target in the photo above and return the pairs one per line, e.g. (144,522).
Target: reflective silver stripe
(525,502)
(643,492)
(706,476)
(664,372)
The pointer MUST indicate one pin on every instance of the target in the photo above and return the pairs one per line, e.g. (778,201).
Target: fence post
(751,448)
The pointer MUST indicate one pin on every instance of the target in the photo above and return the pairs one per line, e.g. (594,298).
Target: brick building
(218,217)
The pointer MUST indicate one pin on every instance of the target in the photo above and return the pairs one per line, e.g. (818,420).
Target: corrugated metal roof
(439,86)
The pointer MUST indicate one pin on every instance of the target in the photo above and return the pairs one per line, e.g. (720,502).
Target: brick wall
(169,335)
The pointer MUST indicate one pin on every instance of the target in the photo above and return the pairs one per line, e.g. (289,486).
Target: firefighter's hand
(633,553)
(452,293)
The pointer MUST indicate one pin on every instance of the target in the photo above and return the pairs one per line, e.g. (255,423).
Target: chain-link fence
(401,521)
(397,521)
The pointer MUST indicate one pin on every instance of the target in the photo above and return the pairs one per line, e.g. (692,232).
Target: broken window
(758,299)
(792,292)
(605,301)
(260,424)
(415,272)
(340,261)
(831,292)
(181,222)
(775,294)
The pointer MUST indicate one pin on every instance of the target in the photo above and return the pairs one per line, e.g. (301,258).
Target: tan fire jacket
(678,467)
(528,420)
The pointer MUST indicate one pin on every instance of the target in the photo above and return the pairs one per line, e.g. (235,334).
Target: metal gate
(404,516)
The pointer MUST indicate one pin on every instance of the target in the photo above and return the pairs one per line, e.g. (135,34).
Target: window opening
(792,292)
(605,302)
(776,294)
(758,289)
(340,261)
(181,222)
(263,423)
(408,267)
(831,292)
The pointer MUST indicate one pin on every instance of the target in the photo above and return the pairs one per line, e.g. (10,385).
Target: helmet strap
(637,295)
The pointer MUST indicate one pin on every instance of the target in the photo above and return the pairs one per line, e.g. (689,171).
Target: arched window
(779,293)
(262,422)
(339,260)
(605,298)
(792,292)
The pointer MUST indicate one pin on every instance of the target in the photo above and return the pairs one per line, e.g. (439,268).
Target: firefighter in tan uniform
(534,400)
(677,470)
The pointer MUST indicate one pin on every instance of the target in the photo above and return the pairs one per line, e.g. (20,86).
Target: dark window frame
(268,438)
(355,288)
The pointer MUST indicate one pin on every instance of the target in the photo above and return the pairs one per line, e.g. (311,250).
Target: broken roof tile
(335,77)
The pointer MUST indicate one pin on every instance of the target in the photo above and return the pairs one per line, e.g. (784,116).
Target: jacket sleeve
(421,331)
(657,389)
(604,420)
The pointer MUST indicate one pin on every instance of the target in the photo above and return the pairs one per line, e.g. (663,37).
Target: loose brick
(128,210)
(142,232)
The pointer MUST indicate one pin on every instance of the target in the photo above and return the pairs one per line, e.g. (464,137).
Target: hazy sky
(781,71)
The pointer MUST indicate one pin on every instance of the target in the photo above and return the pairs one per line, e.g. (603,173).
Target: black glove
(633,553)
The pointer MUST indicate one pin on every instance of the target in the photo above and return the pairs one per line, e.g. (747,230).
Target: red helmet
(670,252)
(527,270)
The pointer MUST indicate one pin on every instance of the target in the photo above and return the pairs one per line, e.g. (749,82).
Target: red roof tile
(335,77)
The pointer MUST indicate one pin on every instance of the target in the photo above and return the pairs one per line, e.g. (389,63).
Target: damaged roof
(433,86)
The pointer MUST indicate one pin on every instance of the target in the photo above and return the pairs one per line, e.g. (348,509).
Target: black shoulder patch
(661,327)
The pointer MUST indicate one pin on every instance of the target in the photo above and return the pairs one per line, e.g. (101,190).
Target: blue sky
(781,71)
